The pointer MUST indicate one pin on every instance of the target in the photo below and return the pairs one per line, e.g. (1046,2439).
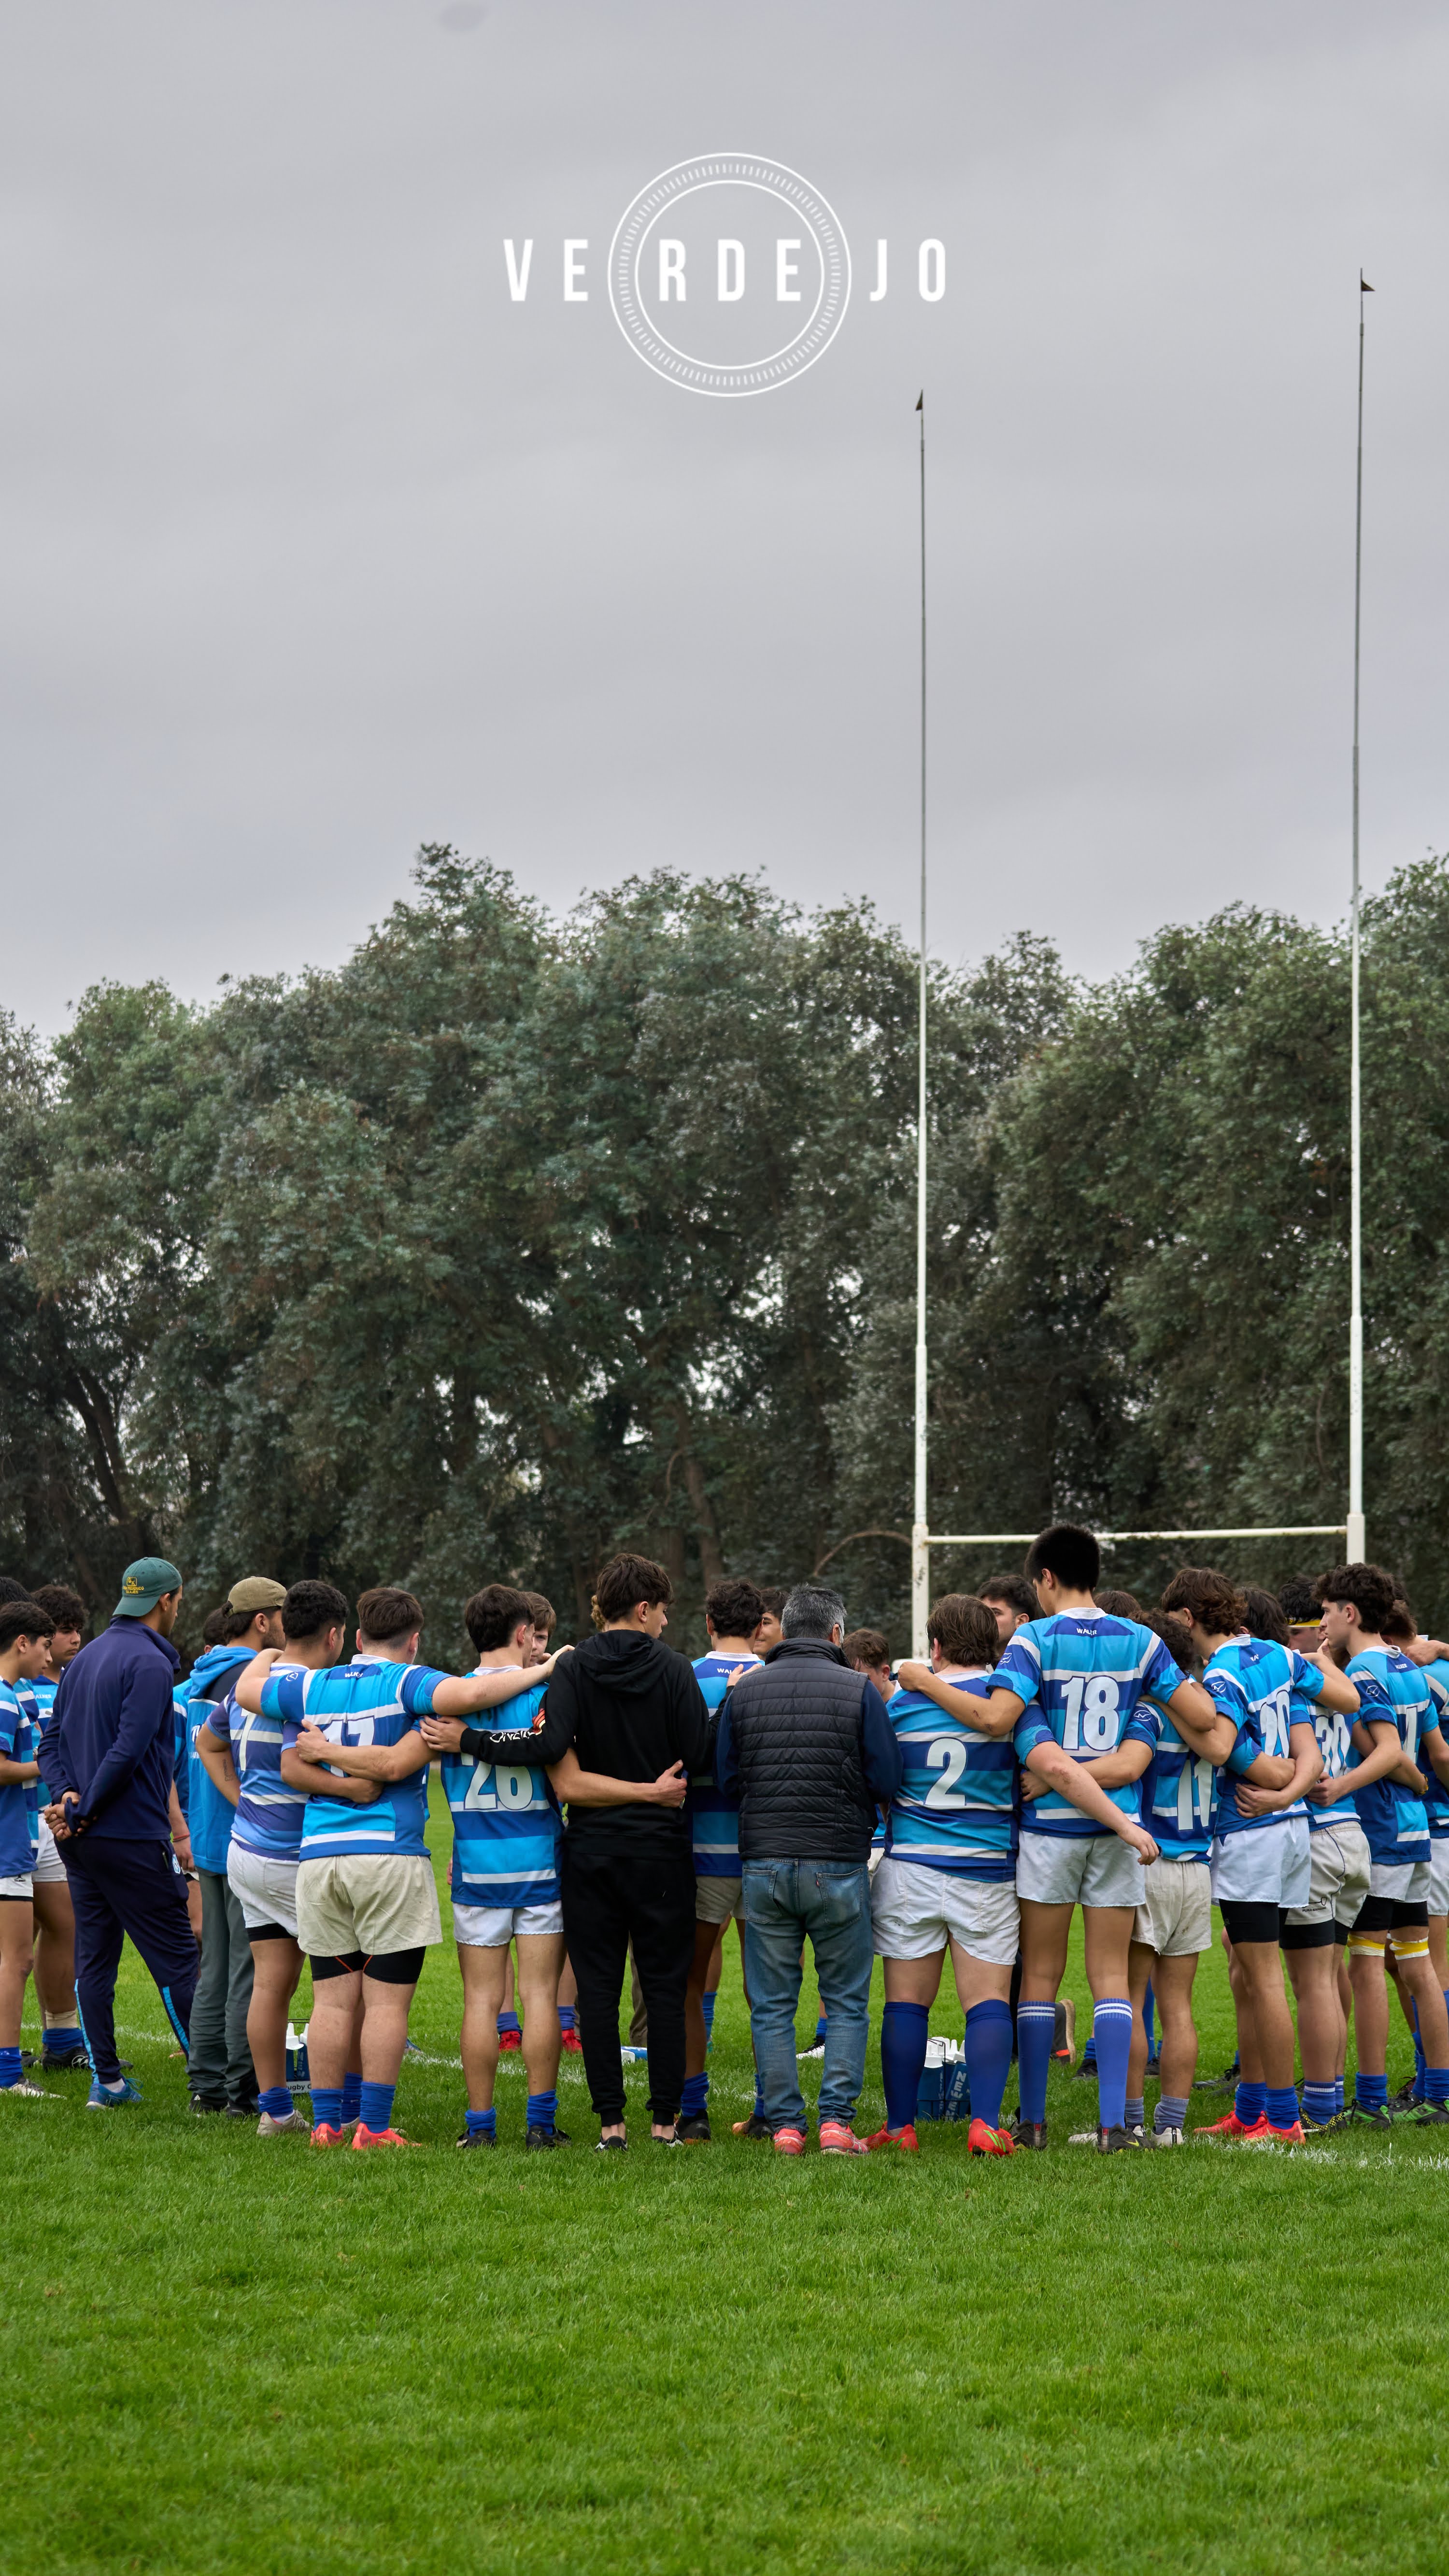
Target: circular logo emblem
(729,274)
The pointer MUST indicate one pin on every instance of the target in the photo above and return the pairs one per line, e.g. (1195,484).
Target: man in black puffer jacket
(629,1711)
(806,1744)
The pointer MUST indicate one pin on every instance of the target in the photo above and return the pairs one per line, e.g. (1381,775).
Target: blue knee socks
(327,2106)
(1149,2015)
(276,2100)
(542,2110)
(1251,2104)
(508,2022)
(988,2059)
(707,1999)
(566,2016)
(1036,2030)
(351,2096)
(903,2031)
(694,2097)
(1112,2031)
(377,2101)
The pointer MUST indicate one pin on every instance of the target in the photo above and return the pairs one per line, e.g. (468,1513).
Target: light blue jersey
(714,1819)
(506,1825)
(369,1701)
(1436,1804)
(209,1816)
(1394,1819)
(1082,1676)
(1179,1794)
(1266,1677)
(19,1799)
(956,1806)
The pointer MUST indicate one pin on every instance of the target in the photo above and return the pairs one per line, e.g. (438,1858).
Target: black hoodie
(629,1707)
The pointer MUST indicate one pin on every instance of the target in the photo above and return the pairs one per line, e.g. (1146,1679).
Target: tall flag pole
(1356,1538)
(920,1555)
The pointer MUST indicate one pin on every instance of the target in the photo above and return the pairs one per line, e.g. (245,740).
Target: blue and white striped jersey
(1179,1794)
(1436,1804)
(1082,1676)
(369,1701)
(1335,1742)
(956,1806)
(506,1824)
(1394,1819)
(269,1816)
(20,1724)
(714,1819)
(1259,1675)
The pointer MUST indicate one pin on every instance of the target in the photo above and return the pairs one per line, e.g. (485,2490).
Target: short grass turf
(225,2355)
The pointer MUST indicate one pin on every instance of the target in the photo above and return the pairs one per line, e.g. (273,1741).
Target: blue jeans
(830,1901)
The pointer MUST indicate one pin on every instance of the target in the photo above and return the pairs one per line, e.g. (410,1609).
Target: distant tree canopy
(515,1240)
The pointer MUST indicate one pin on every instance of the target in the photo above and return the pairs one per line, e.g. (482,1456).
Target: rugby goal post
(923,1539)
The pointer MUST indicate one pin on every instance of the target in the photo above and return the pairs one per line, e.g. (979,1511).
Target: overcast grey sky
(317,544)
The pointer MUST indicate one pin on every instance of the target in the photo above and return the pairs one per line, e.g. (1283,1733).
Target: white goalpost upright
(1351,1528)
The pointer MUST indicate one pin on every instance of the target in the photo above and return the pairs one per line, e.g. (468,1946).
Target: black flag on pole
(1364,287)
(921,396)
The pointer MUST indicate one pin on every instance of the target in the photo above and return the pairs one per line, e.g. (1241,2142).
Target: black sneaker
(539,2139)
(1369,2115)
(1154,2063)
(756,2126)
(205,2109)
(63,2061)
(1087,2072)
(695,2131)
(1028,2133)
(251,2110)
(1404,2100)
(1429,2115)
(1115,2142)
(480,2138)
(611,2146)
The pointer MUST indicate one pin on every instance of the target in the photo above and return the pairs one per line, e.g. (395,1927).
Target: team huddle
(1279,1757)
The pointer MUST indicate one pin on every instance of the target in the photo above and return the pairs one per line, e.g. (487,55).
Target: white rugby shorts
(17,1887)
(1439,1874)
(915,1910)
(1338,1857)
(1175,1917)
(492,1927)
(1406,1881)
(47,1867)
(717,1898)
(1265,1865)
(265,1889)
(1078,1869)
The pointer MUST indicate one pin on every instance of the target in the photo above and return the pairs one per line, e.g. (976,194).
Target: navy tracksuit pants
(120,1889)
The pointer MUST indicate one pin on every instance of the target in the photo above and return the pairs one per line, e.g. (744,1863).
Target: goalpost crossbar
(923,1540)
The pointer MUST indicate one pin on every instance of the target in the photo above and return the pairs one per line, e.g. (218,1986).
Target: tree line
(515,1239)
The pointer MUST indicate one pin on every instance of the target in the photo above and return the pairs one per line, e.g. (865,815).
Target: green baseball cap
(142,1585)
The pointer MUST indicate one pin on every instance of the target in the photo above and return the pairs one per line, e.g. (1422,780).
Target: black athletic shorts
(1386,1914)
(1244,1921)
(387,1967)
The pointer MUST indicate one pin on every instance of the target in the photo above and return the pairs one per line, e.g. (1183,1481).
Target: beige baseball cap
(255,1592)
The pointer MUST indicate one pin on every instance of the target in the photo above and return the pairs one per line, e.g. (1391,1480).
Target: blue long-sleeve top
(110,1735)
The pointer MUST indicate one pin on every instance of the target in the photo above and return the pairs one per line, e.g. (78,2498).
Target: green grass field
(234,2356)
